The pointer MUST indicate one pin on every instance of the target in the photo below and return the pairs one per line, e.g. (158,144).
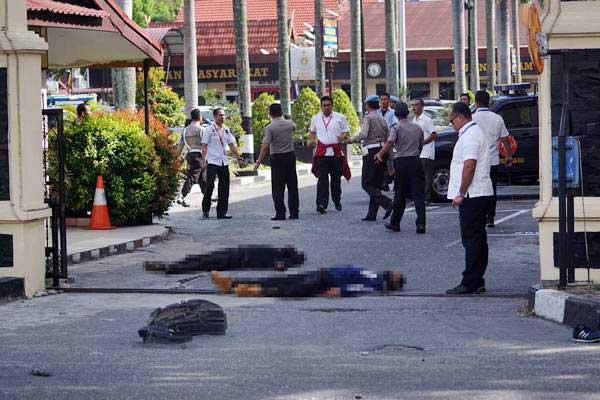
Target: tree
(190,68)
(391,49)
(283,50)
(473,52)
(146,11)
(306,105)
(514,28)
(123,79)
(319,60)
(343,105)
(458,24)
(355,55)
(165,104)
(490,23)
(260,117)
(502,13)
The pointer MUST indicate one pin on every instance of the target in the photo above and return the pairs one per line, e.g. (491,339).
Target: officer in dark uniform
(373,134)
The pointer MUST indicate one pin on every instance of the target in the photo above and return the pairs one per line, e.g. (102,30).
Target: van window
(519,115)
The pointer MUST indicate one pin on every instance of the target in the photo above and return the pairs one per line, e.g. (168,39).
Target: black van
(520,114)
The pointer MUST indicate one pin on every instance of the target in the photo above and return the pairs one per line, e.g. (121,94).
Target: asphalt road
(379,347)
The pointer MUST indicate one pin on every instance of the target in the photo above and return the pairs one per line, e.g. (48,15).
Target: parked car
(520,114)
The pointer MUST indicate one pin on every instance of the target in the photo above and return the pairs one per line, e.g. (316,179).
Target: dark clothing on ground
(329,166)
(428,172)
(491,211)
(194,174)
(409,180)
(222,172)
(351,281)
(372,178)
(474,240)
(283,173)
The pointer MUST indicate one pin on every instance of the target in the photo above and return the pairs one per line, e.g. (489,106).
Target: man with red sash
(328,129)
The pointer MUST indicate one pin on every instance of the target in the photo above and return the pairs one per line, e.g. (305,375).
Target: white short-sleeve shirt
(329,129)
(493,126)
(472,144)
(216,147)
(428,128)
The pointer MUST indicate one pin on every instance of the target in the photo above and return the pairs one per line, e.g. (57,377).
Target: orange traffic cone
(100,218)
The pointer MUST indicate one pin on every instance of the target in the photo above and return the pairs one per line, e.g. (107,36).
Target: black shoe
(293,216)
(278,218)
(321,210)
(338,206)
(224,217)
(460,289)
(395,228)
(490,223)
(205,215)
(421,229)
(183,203)
(367,218)
(388,212)
(214,199)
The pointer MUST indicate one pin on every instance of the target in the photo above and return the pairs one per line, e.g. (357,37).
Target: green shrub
(260,117)
(304,108)
(165,104)
(140,172)
(343,105)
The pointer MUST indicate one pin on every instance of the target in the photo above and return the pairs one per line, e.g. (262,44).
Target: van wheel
(439,184)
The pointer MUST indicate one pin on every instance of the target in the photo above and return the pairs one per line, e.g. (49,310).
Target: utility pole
(123,79)
(471,6)
(402,48)
(391,49)
(363,58)
(458,29)
(190,59)
(515,38)
(283,48)
(503,42)
(319,58)
(490,54)
(243,76)
(355,56)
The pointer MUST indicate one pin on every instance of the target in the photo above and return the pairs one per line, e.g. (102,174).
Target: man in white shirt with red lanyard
(215,140)
(429,136)
(493,126)
(328,129)
(470,188)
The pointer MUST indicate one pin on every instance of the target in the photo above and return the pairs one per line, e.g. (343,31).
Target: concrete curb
(565,308)
(119,248)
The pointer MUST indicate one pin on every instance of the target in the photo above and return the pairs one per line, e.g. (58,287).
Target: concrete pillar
(22,208)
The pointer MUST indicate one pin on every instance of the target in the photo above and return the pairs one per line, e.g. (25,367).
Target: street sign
(330,39)
(302,62)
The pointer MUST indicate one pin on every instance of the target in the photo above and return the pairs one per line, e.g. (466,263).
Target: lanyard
(326,124)
(220,133)
(468,127)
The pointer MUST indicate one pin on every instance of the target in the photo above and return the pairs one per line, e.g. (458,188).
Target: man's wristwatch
(463,195)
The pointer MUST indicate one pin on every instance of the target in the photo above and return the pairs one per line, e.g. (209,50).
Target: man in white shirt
(327,130)
(386,111)
(470,188)
(429,136)
(493,126)
(215,140)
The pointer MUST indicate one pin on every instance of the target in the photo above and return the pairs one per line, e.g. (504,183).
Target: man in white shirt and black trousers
(328,129)
(215,140)
(470,188)
(428,153)
(493,126)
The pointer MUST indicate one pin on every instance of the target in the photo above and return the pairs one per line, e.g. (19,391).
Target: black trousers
(283,173)
(474,240)
(409,179)
(212,172)
(372,179)
(491,211)
(428,172)
(194,174)
(329,166)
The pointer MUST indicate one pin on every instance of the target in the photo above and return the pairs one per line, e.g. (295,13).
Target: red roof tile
(222,10)
(428,26)
(63,8)
(217,38)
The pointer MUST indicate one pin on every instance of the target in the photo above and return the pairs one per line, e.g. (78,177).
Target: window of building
(419,90)
(447,91)
(346,88)
(380,89)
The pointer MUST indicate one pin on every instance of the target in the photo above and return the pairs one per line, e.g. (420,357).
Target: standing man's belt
(372,146)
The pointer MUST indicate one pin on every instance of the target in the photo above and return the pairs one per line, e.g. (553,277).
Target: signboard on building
(445,67)
(227,73)
(330,39)
(302,62)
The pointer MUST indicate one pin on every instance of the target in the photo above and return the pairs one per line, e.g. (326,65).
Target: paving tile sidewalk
(84,244)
